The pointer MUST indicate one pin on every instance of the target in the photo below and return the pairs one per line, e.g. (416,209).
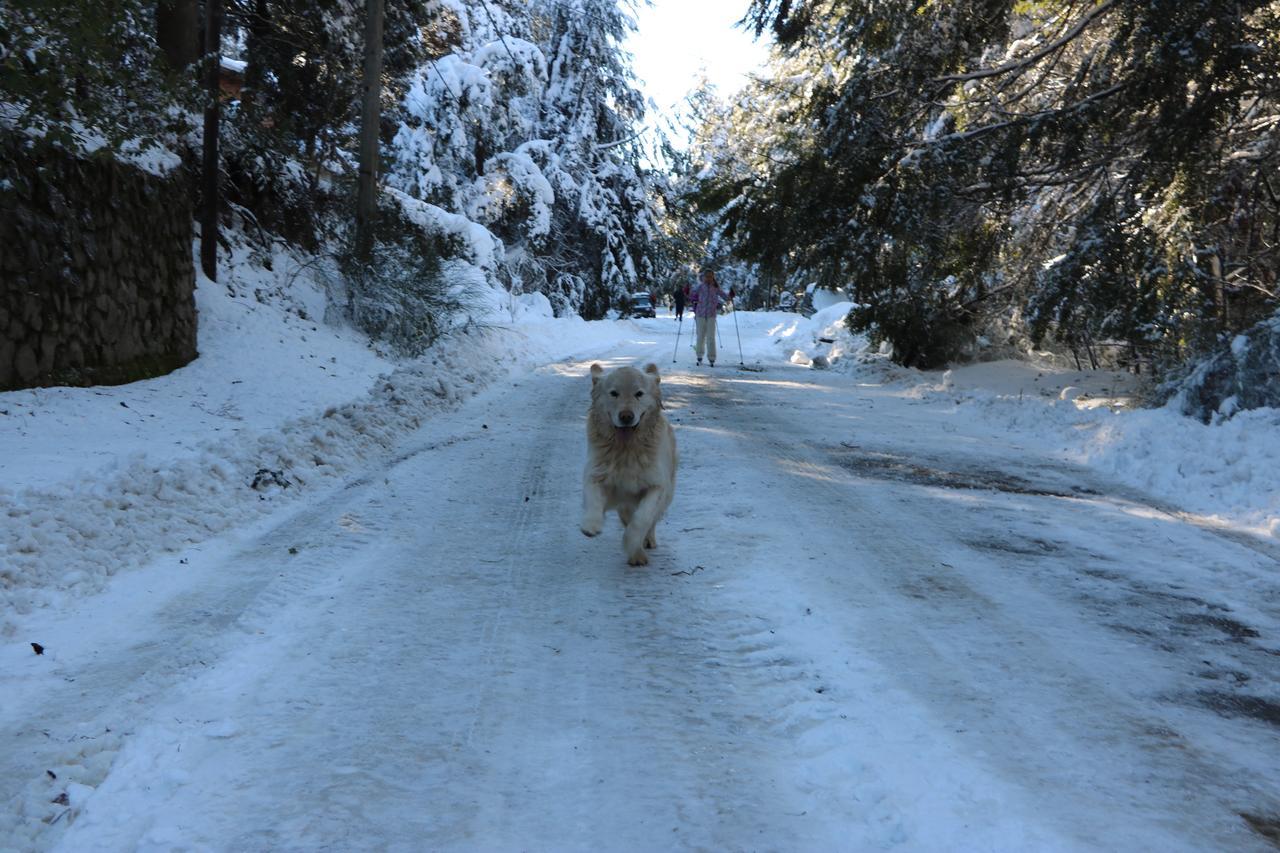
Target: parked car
(642,306)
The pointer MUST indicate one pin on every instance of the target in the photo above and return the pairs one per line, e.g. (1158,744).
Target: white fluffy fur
(631,457)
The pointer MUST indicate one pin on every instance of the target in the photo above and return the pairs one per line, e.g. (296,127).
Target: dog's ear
(596,372)
(651,370)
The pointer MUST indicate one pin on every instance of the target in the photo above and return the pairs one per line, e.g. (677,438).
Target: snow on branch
(1026,61)
(603,146)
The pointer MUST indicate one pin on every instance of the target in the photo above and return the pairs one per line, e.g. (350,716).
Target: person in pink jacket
(706,299)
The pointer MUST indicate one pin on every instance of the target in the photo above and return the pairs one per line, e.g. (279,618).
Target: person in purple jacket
(706,300)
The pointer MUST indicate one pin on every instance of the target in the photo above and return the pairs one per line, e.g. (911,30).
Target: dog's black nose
(626,417)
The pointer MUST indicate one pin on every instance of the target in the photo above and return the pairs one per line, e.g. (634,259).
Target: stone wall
(97,284)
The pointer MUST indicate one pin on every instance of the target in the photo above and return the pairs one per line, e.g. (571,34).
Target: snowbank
(824,298)
(820,341)
(96,480)
(75,534)
(251,319)
(1228,472)
(532,307)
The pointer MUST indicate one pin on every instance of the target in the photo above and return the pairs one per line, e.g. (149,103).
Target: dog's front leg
(593,500)
(642,522)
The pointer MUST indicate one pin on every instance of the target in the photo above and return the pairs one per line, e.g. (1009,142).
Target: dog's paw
(592,527)
(651,541)
(640,558)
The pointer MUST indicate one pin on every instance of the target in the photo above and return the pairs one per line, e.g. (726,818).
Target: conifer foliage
(1100,174)
(508,134)
(527,123)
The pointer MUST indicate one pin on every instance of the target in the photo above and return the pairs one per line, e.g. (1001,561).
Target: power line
(484,4)
(457,99)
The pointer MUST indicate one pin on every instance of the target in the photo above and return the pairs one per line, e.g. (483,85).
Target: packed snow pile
(821,341)
(75,534)
(826,297)
(1228,470)
(831,343)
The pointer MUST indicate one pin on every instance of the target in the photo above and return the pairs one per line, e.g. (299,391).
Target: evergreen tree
(500,120)
(528,125)
(1082,172)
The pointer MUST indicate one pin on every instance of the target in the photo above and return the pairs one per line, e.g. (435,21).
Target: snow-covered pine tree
(510,128)
(1092,174)
(526,123)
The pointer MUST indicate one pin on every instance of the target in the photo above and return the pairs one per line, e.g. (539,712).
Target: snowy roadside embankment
(96,480)
(1229,471)
(820,341)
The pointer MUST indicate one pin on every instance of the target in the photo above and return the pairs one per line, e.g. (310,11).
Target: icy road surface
(868,625)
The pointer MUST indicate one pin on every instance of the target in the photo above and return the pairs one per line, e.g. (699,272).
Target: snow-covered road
(868,625)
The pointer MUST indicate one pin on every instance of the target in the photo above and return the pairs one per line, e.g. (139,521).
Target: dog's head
(626,396)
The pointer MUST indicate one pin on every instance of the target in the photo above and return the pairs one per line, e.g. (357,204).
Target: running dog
(631,457)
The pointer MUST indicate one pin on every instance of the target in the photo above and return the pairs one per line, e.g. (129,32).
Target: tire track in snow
(458,668)
(966,655)
(626,680)
(476,675)
(88,717)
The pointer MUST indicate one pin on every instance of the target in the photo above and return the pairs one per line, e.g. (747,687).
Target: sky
(677,39)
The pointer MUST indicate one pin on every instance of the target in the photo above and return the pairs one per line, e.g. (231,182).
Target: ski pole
(679,323)
(739,334)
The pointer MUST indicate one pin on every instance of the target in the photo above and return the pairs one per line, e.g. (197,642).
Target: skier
(679,293)
(706,300)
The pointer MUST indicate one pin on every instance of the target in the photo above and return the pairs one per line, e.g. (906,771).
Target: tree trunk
(209,177)
(370,121)
(178,31)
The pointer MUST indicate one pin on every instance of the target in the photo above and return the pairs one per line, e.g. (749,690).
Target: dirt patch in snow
(879,465)
(1241,705)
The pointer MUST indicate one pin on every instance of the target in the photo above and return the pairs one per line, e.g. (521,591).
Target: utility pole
(209,174)
(370,119)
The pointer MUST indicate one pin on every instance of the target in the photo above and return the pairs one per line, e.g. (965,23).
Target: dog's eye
(639,394)
(613,393)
